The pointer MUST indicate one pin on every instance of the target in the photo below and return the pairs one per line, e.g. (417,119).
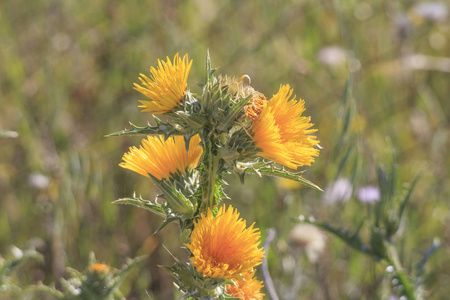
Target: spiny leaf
(165,129)
(351,239)
(146,204)
(167,221)
(270,170)
(126,269)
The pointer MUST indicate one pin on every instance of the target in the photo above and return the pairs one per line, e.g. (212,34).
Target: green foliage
(9,264)
(96,282)
(66,81)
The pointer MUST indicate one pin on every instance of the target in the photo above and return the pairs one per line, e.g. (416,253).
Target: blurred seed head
(437,40)
(368,194)
(61,41)
(354,65)
(38,181)
(30,87)
(363,11)
(332,56)
(339,191)
(308,238)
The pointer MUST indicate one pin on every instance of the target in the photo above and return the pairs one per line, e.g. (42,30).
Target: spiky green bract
(97,281)
(193,285)
(16,257)
(182,197)
(9,264)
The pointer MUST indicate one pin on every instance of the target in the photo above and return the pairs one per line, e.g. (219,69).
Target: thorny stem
(394,260)
(213,167)
(271,233)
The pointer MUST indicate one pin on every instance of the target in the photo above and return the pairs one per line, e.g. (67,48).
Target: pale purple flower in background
(338,191)
(432,11)
(368,194)
(403,26)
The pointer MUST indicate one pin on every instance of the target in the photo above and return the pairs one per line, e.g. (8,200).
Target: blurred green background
(66,77)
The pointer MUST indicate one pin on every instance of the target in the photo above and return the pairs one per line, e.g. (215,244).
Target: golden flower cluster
(229,121)
(222,246)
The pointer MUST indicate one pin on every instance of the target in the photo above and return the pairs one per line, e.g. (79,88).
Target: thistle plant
(228,127)
(97,281)
(9,264)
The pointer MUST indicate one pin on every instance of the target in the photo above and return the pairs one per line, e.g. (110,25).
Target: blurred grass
(66,81)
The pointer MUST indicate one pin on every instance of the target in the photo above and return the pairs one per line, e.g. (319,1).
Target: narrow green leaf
(351,239)
(167,221)
(343,161)
(209,69)
(407,197)
(427,254)
(145,204)
(264,169)
(135,262)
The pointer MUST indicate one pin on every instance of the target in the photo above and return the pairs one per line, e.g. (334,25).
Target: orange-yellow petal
(166,86)
(247,288)
(222,246)
(282,134)
(100,268)
(163,158)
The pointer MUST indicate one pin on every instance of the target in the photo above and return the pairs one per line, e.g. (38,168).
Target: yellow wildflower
(163,158)
(282,134)
(222,246)
(166,86)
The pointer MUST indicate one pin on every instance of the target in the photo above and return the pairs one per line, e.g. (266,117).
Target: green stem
(395,261)
(210,176)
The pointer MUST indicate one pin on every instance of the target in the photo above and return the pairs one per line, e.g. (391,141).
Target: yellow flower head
(222,246)
(282,134)
(162,158)
(247,288)
(166,86)
(99,268)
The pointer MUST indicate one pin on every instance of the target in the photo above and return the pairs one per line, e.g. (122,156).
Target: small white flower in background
(338,191)
(308,238)
(332,56)
(38,181)
(368,194)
